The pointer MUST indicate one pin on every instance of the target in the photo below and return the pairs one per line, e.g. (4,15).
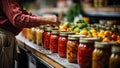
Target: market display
(76,42)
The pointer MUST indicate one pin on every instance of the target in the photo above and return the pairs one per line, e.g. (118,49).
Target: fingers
(53,20)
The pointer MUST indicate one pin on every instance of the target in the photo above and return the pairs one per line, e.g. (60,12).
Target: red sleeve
(17,16)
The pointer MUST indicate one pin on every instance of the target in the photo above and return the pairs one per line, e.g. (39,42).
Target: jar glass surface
(47,39)
(115,57)
(72,48)
(54,43)
(100,58)
(85,54)
(62,44)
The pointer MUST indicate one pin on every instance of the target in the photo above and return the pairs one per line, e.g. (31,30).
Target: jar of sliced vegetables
(115,57)
(101,54)
(72,48)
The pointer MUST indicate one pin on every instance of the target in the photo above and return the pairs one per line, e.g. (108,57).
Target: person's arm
(19,19)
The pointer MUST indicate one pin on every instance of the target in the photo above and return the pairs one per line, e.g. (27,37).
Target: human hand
(52,20)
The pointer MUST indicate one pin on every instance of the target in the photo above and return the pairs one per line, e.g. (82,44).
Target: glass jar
(29,34)
(101,54)
(85,50)
(24,32)
(115,57)
(39,36)
(47,34)
(33,32)
(62,44)
(54,41)
(72,48)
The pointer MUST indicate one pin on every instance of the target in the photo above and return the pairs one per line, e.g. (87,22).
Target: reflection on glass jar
(101,54)
(72,48)
(54,41)
(85,50)
(115,57)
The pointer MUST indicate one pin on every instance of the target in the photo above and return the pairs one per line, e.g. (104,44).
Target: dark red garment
(13,18)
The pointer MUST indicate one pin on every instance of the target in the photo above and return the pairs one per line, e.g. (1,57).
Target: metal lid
(89,40)
(77,36)
(116,49)
(48,29)
(62,31)
(70,33)
(72,38)
(63,34)
(103,44)
(41,26)
(55,32)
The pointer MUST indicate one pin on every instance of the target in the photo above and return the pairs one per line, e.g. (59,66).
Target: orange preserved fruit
(106,39)
(63,27)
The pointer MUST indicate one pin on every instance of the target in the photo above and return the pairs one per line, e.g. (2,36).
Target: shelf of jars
(78,45)
(48,57)
(101,8)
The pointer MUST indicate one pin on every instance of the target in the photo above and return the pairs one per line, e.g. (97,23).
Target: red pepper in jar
(54,41)
(85,50)
(47,35)
(62,44)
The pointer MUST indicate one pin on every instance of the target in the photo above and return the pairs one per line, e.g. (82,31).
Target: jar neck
(104,49)
(91,45)
(118,53)
(55,34)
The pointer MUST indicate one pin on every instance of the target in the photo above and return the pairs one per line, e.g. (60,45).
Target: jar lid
(70,33)
(41,26)
(92,40)
(103,44)
(72,38)
(63,34)
(62,31)
(115,48)
(48,29)
(55,31)
(77,36)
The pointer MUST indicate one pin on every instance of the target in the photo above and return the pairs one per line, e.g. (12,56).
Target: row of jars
(87,52)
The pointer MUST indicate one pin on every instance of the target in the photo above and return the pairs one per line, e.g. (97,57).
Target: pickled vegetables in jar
(24,32)
(33,36)
(101,54)
(115,57)
(39,35)
(29,34)
(72,48)
(85,50)
(62,44)
(47,34)
(54,41)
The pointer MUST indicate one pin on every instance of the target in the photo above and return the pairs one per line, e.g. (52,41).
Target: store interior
(87,37)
